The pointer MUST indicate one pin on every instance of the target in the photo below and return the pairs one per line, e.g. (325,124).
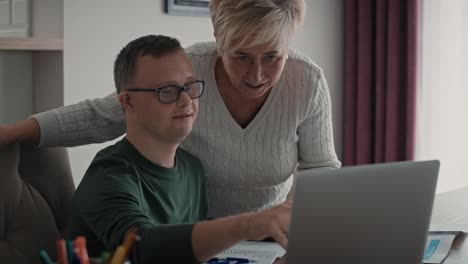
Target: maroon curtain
(380,80)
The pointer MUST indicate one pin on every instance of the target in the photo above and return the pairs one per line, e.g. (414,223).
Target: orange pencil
(61,252)
(122,251)
(130,239)
(80,245)
(119,256)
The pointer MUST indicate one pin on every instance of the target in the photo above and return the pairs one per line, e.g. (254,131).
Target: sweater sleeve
(316,146)
(90,121)
(110,205)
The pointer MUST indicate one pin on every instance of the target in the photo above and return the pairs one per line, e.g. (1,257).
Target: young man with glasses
(145,181)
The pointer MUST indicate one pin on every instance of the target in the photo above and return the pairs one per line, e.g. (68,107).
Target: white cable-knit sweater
(248,169)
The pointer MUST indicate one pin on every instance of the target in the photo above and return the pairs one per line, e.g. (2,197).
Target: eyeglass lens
(171,93)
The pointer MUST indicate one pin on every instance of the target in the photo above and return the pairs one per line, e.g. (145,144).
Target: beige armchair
(36,188)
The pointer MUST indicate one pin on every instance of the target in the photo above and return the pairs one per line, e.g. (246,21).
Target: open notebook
(255,251)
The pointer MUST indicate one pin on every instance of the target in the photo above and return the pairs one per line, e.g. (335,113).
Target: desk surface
(449,204)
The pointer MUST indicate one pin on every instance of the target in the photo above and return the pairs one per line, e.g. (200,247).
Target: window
(442,128)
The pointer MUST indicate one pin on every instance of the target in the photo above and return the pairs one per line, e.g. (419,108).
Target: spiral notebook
(255,251)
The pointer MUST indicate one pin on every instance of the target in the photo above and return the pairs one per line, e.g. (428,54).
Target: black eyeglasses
(171,93)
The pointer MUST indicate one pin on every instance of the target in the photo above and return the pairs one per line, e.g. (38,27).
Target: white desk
(454,203)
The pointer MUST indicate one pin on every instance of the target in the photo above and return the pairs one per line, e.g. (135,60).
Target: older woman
(266,111)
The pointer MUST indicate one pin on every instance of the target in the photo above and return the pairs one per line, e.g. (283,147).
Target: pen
(80,245)
(62,252)
(45,257)
(70,251)
(105,257)
(134,253)
(229,261)
(76,259)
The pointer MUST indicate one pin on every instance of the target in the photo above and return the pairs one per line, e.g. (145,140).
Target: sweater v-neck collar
(224,111)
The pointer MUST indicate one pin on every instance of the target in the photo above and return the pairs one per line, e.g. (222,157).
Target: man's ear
(126,101)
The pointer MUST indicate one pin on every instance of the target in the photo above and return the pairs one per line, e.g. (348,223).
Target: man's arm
(111,211)
(108,203)
(90,121)
(212,237)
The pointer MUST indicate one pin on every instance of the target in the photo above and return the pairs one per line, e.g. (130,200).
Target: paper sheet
(255,252)
(438,247)
(448,228)
(450,212)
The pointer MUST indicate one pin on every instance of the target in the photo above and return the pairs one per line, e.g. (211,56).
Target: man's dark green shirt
(122,189)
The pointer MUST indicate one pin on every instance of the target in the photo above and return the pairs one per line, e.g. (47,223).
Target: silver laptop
(373,214)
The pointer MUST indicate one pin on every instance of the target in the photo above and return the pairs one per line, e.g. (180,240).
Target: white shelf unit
(31,67)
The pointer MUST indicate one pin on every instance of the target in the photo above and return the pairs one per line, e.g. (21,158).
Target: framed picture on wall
(187,7)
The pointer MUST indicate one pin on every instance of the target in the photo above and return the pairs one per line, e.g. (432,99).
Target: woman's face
(254,71)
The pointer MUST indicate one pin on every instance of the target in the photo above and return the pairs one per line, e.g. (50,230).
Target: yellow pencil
(119,256)
(122,251)
(130,239)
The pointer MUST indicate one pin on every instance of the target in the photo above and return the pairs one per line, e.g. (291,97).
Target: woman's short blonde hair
(254,23)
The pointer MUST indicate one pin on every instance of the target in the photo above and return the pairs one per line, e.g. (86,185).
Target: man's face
(170,122)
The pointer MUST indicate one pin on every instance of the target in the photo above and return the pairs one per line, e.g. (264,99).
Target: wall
(94,32)
(321,38)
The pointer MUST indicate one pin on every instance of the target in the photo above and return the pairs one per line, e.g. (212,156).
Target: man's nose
(184,99)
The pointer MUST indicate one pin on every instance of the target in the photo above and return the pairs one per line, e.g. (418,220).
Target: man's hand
(281,260)
(212,237)
(273,222)
(25,131)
